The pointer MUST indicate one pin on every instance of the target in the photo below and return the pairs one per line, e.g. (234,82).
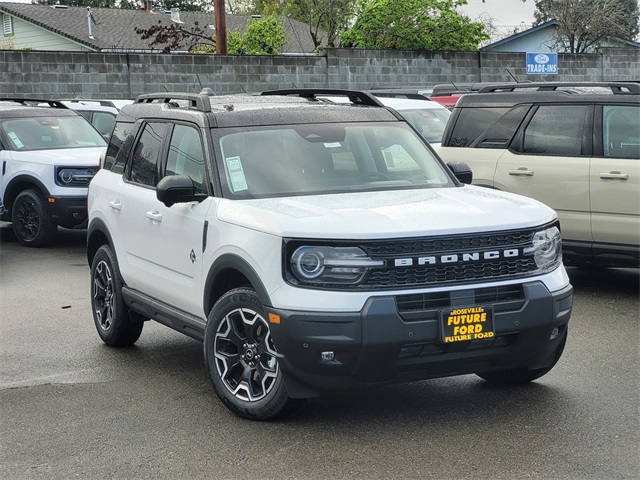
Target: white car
(429,118)
(314,246)
(48,156)
(100,113)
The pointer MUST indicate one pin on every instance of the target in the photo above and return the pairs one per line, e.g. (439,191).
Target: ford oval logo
(541,58)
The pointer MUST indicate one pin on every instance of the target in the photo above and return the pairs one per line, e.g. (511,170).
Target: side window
(621,131)
(186,155)
(103,122)
(116,157)
(145,155)
(471,123)
(556,130)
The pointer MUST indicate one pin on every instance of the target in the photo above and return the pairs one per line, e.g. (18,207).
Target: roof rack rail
(355,96)
(34,102)
(617,88)
(90,101)
(198,101)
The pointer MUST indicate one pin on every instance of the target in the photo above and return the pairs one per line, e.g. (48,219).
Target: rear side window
(145,155)
(472,122)
(556,130)
(621,131)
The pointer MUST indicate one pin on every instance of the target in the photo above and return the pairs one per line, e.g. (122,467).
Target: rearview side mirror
(177,189)
(462,171)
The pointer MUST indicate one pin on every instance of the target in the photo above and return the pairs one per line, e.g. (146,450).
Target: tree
(327,19)
(584,25)
(263,36)
(413,25)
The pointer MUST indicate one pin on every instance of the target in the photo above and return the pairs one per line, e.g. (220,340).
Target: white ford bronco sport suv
(314,246)
(48,155)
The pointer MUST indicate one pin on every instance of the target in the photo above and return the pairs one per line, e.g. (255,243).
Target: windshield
(46,133)
(322,158)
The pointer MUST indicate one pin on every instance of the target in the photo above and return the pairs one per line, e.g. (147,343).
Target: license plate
(466,324)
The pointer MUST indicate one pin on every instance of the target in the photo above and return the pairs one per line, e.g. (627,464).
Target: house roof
(521,34)
(542,26)
(115,28)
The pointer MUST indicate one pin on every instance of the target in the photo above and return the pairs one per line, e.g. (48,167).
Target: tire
(524,375)
(110,314)
(31,219)
(241,358)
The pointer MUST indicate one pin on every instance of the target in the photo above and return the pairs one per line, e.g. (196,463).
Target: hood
(388,214)
(78,157)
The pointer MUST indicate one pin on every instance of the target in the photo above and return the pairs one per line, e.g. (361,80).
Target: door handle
(155,216)
(615,175)
(116,205)
(521,172)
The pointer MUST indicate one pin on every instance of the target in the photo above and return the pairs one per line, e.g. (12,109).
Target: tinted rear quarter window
(472,122)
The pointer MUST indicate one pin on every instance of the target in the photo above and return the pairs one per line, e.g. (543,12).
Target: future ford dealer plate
(465,324)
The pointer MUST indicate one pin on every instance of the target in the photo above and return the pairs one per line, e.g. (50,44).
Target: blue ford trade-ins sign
(542,63)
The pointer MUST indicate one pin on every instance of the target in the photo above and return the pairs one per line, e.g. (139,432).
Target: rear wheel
(31,219)
(241,358)
(524,375)
(110,314)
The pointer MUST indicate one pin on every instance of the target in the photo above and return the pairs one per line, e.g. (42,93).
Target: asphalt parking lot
(74,408)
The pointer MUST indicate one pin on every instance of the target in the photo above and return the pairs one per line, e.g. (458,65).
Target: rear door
(615,175)
(549,161)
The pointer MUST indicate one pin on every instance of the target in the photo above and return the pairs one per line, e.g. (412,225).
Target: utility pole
(220,13)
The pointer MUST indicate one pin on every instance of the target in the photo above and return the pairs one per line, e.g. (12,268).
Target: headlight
(74,176)
(546,248)
(322,264)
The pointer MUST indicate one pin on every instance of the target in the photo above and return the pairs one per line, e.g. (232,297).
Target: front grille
(452,271)
(427,306)
(450,274)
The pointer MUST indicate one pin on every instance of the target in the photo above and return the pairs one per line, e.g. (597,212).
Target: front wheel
(241,358)
(31,219)
(110,314)
(524,375)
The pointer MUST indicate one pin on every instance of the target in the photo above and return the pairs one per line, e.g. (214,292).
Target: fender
(11,191)
(234,262)
(96,228)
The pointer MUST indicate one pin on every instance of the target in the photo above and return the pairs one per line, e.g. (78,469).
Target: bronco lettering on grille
(457,258)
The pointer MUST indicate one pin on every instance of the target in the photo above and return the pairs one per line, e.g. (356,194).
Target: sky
(503,12)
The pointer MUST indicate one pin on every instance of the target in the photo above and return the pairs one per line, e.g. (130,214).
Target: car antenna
(198,77)
(512,76)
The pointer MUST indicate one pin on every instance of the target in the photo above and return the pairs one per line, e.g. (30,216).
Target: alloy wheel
(245,355)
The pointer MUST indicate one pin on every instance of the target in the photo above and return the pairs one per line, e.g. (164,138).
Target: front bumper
(388,342)
(68,212)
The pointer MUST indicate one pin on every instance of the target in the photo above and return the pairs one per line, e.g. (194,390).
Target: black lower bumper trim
(345,350)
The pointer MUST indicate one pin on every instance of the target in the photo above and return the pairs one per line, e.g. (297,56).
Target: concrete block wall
(125,75)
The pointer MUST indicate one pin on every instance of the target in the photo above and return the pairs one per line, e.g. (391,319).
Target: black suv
(573,146)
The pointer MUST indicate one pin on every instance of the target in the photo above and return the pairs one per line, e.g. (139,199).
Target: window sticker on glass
(236,174)
(16,141)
